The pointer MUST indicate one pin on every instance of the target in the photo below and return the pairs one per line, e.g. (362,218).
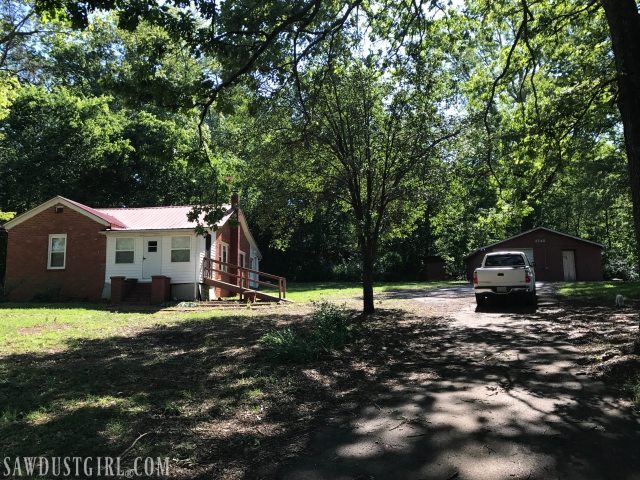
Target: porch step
(140,294)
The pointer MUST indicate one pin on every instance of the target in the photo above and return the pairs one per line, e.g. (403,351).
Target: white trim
(225,246)
(48,204)
(247,233)
(49,252)
(172,248)
(529,231)
(147,233)
(115,256)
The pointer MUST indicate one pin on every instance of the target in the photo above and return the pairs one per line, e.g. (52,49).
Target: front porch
(226,279)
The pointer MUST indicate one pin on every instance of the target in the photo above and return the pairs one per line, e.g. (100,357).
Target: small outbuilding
(557,256)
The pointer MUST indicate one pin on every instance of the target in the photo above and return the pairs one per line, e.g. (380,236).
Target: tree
(624,24)
(365,144)
(58,143)
(81,129)
(574,42)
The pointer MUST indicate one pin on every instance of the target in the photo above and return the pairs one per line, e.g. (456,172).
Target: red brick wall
(245,248)
(224,234)
(28,245)
(547,252)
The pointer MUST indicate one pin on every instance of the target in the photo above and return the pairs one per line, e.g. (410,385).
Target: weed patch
(329,332)
(632,388)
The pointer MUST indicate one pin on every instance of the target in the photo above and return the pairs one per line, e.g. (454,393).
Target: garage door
(528,252)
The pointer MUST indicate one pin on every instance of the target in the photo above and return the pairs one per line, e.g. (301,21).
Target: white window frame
(115,254)
(224,247)
(171,248)
(64,262)
(244,255)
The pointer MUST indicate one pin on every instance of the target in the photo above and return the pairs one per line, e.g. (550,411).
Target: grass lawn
(600,292)
(52,327)
(307,292)
(81,380)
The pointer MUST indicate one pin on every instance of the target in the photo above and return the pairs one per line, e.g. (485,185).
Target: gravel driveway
(495,394)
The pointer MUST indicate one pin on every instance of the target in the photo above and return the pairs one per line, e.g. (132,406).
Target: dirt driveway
(496,394)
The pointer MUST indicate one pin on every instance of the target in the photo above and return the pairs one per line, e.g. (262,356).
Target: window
(57,251)
(152,246)
(224,256)
(242,260)
(125,250)
(505,260)
(180,249)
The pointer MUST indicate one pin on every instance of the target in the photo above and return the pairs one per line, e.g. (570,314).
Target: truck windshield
(504,261)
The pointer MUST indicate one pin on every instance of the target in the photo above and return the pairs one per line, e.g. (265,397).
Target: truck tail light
(527,277)
(475,278)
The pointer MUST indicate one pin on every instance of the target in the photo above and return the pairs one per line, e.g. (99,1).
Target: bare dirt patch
(52,327)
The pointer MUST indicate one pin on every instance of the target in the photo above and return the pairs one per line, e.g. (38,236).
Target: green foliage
(287,346)
(6,216)
(9,87)
(60,143)
(632,389)
(620,266)
(111,115)
(89,127)
(600,292)
(329,332)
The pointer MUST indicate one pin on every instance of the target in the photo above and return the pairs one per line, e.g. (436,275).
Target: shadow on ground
(491,395)
(201,391)
(415,396)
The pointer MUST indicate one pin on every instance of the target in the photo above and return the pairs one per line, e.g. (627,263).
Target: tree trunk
(368,259)
(624,26)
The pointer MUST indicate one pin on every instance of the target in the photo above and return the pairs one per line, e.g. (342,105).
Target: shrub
(330,330)
(617,265)
(632,388)
(287,346)
(349,271)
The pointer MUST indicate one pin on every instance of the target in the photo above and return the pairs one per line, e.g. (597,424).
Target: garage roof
(533,230)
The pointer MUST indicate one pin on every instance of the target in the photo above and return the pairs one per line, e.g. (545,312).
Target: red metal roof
(115,223)
(150,218)
(155,218)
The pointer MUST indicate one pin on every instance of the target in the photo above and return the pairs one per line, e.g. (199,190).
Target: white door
(569,265)
(151,257)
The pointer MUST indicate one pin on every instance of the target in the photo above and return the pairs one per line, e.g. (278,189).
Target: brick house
(557,256)
(64,249)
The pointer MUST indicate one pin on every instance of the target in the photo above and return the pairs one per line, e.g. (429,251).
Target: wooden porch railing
(241,277)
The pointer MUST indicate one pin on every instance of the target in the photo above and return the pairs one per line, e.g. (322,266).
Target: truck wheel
(481,300)
(531,298)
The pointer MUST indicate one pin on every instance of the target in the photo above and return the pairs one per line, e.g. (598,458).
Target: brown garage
(557,256)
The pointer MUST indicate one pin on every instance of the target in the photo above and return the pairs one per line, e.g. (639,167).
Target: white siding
(254,264)
(179,272)
(129,270)
(199,252)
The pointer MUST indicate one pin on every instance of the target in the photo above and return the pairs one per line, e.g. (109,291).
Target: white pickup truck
(504,273)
